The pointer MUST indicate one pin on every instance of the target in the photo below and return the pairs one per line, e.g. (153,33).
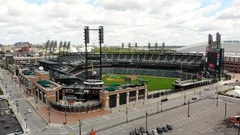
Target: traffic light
(101,34)
(86,34)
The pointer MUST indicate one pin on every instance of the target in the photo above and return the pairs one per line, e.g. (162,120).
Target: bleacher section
(75,63)
(146,72)
(184,59)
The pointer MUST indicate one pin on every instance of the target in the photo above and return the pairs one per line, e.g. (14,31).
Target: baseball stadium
(110,79)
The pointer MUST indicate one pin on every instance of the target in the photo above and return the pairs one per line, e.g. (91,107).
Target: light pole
(188,108)
(217,95)
(200,93)
(17,104)
(25,119)
(161,105)
(80,127)
(65,117)
(36,101)
(146,119)
(184,98)
(225,110)
(126,114)
(6,87)
(181,90)
(49,114)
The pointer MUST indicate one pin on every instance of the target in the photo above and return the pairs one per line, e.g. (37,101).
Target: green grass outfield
(154,83)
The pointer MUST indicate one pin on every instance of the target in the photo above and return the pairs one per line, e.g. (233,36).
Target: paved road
(35,121)
(205,118)
(133,112)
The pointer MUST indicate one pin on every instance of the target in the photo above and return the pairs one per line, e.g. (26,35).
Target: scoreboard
(214,61)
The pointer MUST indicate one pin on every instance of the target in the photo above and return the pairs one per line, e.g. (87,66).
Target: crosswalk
(40,129)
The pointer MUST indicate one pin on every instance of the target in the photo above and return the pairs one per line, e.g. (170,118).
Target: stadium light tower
(86,41)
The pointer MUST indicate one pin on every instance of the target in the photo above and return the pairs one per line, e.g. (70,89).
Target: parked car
(137,131)
(149,133)
(154,132)
(169,127)
(164,99)
(29,110)
(164,129)
(194,98)
(131,133)
(142,129)
(159,130)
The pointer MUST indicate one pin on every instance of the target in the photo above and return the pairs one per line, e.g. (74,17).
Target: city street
(34,121)
(205,118)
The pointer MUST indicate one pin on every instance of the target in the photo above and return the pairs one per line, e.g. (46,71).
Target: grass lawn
(154,83)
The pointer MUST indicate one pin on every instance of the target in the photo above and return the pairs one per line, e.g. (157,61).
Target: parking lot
(8,121)
(205,118)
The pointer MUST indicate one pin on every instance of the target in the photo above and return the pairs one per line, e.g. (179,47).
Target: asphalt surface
(205,119)
(7,118)
(34,120)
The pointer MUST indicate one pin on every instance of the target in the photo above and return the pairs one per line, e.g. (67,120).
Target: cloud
(176,22)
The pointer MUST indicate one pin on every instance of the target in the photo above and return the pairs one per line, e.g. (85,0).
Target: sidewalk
(14,109)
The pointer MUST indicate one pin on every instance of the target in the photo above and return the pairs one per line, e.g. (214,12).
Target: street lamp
(65,117)
(36,101)
(17,104)
(126,114)
(184,99)
(80,127)
(200,93)
(161,105)
(25,119)
(188,108)
(49,114)
(146,119)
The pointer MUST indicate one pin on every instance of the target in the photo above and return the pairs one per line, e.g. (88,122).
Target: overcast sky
(175,22)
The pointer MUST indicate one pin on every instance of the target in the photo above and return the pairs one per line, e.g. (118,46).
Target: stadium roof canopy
(232,48)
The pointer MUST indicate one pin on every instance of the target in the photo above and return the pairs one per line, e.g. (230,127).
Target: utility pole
(80,127)
(158,106)
(126,114)
(188,108)
(146,119)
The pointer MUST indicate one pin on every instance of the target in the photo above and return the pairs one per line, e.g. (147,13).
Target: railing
(75,109)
